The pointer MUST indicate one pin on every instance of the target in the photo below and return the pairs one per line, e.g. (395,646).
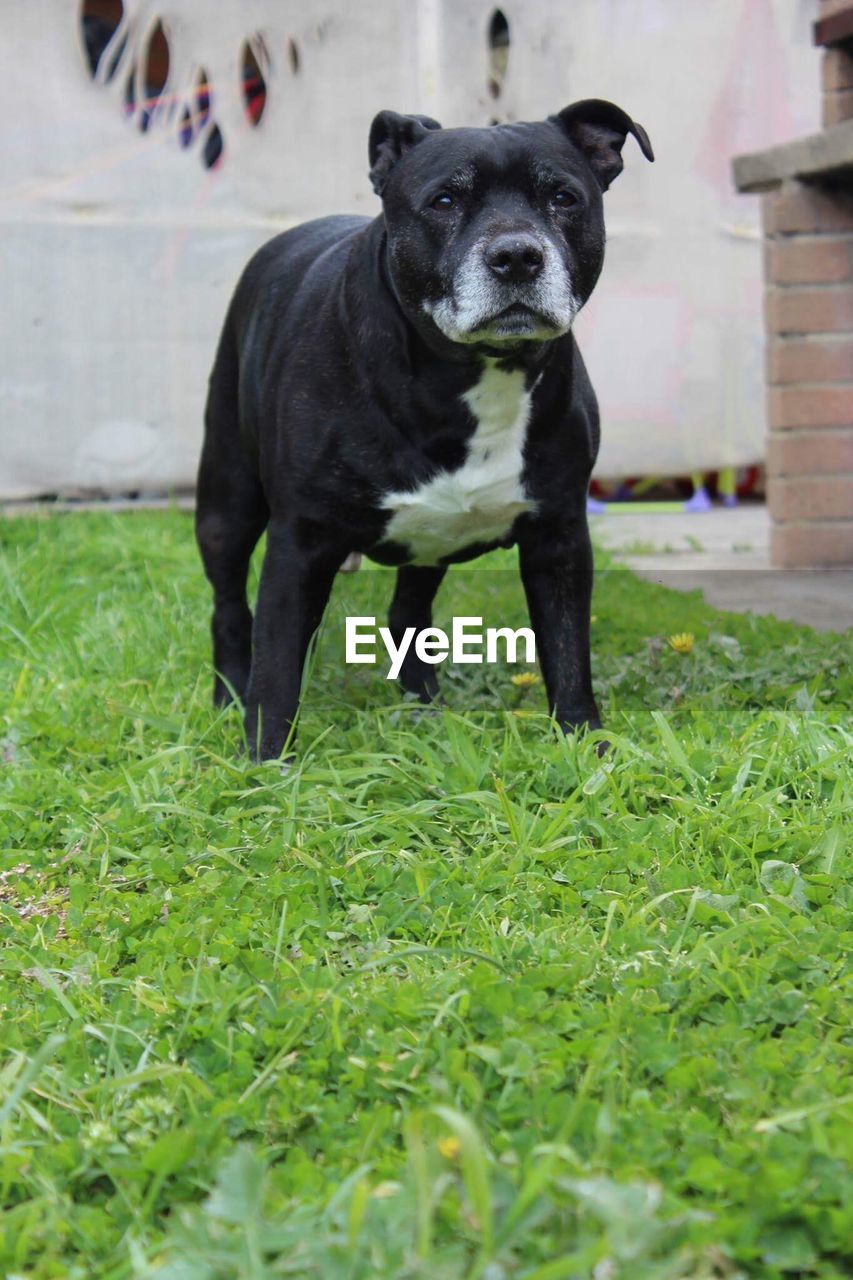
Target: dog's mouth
(520,313)
(518,320)
(504,324)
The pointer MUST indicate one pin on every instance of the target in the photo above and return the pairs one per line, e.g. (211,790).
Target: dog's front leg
(556,569)
(293,593)
(412,607)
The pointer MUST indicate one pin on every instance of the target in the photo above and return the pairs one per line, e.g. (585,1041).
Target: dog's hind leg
(231,515)
(296,581)
(412,607)
(230,519)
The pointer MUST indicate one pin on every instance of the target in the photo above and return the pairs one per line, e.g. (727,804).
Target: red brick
(795,206)
(800,309)
(815,452)
(810,359)
(821,405)
(837,107)
(836,70)
(811,498)
(811,545)
(809,260)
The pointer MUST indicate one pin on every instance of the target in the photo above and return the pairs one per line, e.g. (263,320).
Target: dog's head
(496,235)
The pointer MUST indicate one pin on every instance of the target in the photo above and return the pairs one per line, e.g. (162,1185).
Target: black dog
(409,387)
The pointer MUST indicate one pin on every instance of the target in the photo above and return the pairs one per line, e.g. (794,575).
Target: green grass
(452,1000)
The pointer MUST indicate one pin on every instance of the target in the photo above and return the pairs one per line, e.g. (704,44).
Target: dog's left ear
(391,135)
(600,128)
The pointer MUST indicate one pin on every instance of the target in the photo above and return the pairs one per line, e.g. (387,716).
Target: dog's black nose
(515,257)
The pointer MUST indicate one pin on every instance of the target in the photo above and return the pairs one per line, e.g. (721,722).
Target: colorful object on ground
(724,485)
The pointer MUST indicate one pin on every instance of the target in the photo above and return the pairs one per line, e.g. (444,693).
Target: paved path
(725,554)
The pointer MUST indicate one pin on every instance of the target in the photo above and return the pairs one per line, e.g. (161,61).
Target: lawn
(454,999)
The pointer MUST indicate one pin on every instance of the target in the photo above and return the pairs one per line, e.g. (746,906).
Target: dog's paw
(270,769)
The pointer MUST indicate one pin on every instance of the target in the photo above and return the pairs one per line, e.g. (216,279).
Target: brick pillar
(808,251)
(836,73)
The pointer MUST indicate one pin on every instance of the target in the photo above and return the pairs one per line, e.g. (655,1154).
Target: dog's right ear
(391,135)
(600,128)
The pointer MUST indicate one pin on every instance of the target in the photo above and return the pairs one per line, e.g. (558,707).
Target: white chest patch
(480,500)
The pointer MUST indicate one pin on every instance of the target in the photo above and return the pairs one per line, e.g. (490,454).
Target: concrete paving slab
(820,598)
(724,554)
(63,506)
(722,538)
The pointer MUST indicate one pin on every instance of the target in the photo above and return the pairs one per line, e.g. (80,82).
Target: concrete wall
(121,246)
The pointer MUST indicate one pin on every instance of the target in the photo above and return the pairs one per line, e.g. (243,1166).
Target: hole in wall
(115,59)
(260,47)
(155,74)
(498,52)
(254,84)
(144,82)
(99,21)
(185,128)
(213,147)
(201,107)
(294,57)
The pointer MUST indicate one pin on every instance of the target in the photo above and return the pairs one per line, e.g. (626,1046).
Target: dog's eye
(444,200)
(564,199)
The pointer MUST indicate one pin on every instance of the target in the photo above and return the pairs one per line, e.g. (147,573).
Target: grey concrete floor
(724,553)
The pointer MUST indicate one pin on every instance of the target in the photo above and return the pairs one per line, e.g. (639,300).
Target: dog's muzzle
(512,287)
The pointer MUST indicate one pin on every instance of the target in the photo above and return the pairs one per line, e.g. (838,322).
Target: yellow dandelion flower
(449,1147)
(525,679)
(682,643)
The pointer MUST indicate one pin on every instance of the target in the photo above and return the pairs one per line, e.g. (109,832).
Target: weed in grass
(454,998)
(641,547)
